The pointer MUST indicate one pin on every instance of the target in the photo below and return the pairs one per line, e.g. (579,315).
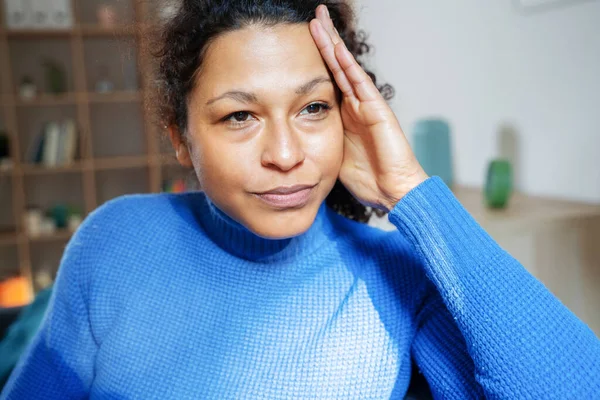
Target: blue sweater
(163,296)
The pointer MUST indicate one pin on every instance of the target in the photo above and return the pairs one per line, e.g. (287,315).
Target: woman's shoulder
(137,212)
(132,222)
(128,232)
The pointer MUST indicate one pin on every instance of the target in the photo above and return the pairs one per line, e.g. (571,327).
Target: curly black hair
(182,42)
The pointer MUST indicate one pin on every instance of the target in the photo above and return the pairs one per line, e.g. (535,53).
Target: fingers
(361,82)
(322,14)
(352,80)
(327,49)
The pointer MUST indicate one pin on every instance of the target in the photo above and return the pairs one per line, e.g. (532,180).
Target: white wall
(483,65)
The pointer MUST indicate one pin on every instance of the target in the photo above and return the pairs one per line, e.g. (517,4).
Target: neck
(239,241)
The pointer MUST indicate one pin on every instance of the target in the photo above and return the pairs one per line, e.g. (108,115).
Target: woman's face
(265,135)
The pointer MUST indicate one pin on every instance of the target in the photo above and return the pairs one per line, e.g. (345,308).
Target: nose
(282,148)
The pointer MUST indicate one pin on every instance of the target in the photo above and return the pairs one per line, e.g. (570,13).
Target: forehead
(259,57)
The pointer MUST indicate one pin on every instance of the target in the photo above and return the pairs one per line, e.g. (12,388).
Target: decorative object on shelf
(432,147)
(33,221)
(4,146)
(15,292)
(27,88)
(6,163)
(175,186)
(48,225)
(499,184)
(51,14)
(56,77)
(17,14)
(55,145)
(61,14)
(66,216)
(104,84)
(75,220)
(38,14)
(43,278)
(107,15)
(60,215)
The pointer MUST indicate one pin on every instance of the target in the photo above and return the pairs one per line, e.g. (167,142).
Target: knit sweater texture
(163,296)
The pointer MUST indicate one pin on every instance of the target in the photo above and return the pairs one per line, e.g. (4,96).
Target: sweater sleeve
(439,350)
(521,341)
(59,362)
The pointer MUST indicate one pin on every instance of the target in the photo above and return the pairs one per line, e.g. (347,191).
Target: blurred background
(76,126)
(501,99)
(514,84)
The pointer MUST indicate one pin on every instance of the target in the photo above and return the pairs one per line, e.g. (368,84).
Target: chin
(282,224)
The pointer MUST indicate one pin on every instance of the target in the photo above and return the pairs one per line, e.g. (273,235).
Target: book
(69,145)
(32,154)
(39,154)
(54,145)
(60,154)
(51,145)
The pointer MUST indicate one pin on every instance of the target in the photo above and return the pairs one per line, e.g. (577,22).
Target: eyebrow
(248,97)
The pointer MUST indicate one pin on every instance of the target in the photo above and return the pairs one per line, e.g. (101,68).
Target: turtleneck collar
(239,241)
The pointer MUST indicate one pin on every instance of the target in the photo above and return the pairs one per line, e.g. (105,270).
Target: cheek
(328,149)
(218,164)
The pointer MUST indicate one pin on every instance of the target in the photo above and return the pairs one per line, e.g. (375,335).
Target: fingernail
(327,11)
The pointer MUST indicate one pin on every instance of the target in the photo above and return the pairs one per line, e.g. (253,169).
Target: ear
(182,151)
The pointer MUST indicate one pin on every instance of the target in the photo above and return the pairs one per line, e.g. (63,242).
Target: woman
(254,288)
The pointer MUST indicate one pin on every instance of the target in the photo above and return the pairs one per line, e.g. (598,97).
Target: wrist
(406,185)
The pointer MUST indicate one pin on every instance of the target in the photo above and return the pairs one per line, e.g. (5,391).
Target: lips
(287,196)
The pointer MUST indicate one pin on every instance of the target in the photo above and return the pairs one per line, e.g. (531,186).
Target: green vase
(499,184)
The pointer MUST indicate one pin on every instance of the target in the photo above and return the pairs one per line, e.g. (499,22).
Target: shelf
(35,169)
(124,162)
(99,164)
(8,238)
(61,235)
(523,210)
(114,127)
(98,30)
(115,97)
(71,98)
(46,99)
(25,33)
(83,29)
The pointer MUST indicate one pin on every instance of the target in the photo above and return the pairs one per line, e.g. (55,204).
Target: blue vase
(432,147)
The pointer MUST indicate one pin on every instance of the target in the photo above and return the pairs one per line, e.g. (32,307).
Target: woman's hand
(379,167)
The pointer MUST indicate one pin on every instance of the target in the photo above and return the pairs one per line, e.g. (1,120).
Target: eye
(315,109)
(238,117)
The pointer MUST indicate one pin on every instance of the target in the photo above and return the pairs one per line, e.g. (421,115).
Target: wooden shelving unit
(110,149)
